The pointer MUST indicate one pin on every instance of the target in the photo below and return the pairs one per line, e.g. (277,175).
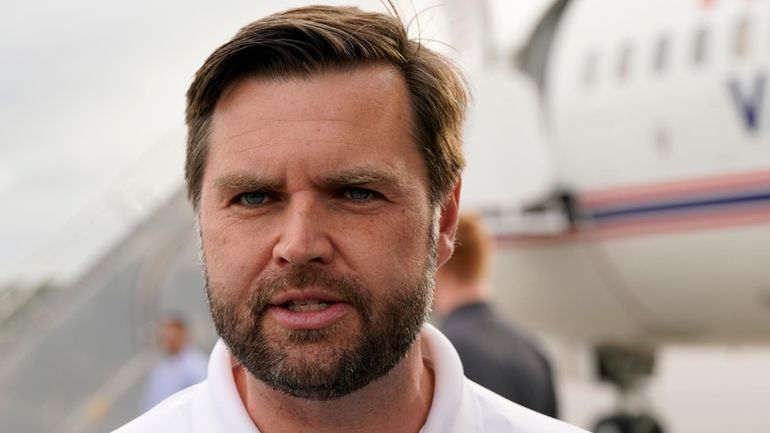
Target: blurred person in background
(182,365)
(494,353)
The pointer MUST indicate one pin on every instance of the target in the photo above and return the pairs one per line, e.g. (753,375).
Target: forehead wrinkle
(355,123)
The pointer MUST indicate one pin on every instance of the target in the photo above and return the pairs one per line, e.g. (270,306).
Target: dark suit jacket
(499,357)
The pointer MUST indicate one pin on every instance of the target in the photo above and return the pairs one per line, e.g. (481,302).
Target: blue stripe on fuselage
(675,206)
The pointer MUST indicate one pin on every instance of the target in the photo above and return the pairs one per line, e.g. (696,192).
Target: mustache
(302,277)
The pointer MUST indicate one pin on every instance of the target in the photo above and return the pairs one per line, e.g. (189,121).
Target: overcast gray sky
(91,102)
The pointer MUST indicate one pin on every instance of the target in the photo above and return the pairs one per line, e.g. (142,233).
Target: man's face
(318,237)
(172,337)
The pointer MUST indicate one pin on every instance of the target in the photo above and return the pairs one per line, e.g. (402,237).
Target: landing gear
(625,368)
(625,423)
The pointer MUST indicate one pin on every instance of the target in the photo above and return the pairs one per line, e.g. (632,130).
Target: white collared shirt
(459,405)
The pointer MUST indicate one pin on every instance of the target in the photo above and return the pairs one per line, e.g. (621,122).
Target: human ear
(448,225)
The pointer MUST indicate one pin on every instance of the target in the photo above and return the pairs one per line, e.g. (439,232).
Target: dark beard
(388,329)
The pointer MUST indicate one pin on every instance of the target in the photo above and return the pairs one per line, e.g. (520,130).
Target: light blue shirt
(172,374)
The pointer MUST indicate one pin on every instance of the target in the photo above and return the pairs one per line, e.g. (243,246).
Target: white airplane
(656,228)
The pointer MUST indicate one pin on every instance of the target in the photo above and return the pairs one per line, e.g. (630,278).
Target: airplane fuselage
(660,126)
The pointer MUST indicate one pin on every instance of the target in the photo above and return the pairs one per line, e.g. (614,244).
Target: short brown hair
(470,259)
(315,39)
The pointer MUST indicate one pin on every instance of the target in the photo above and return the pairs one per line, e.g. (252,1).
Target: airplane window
(741,44)
(701,46)
(661,54)
(624,62)
(589,71)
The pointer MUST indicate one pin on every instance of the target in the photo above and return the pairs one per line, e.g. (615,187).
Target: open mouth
(306,305)
(308,311)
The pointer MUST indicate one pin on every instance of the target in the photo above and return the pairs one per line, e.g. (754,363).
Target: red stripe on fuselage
(668,190)
(706,219)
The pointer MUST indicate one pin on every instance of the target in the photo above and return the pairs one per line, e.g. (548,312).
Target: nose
(304,237)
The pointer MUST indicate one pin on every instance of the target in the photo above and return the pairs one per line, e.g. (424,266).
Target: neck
(398,402)
(452,294)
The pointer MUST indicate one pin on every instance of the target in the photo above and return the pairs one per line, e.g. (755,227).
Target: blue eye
(359,194)
(253,198)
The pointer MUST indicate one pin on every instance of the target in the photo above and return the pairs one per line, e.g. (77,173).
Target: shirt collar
(221,408)
(452,409)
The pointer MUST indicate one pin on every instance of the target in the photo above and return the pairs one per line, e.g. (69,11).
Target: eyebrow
(359,176)
(244,182)
(363,176)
